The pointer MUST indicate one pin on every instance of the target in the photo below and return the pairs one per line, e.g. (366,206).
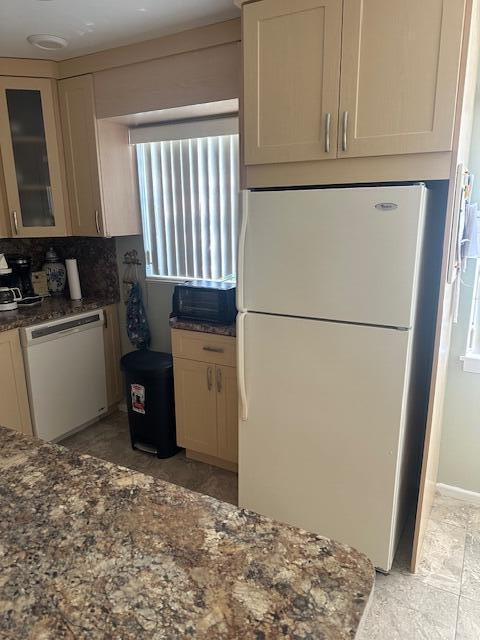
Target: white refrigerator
(327,289)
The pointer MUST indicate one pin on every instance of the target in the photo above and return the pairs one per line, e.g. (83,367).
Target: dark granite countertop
(49,309)
(92,550)
(203,326)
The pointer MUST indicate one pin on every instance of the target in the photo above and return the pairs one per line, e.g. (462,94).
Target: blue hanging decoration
(137,324)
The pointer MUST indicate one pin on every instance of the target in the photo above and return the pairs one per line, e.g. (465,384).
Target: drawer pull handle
(213,349)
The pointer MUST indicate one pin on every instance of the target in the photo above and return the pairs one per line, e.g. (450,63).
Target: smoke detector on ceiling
(47,42)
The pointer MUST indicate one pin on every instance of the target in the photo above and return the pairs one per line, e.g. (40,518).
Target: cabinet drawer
(204,347)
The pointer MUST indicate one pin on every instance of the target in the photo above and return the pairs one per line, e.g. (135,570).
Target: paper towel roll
(73,279)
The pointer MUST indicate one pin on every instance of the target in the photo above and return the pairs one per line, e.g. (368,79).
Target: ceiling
(91,26)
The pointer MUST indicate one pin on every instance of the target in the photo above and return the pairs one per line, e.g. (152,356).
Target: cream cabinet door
(32,157)
(291,79)
(111,342)
(14,407)
(195,405)
(101,166)
(77,108)
(227,413)
(400,65)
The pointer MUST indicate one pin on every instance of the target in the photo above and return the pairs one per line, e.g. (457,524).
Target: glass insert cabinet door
(31,157)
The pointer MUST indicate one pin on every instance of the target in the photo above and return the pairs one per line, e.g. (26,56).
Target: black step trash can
(150,401)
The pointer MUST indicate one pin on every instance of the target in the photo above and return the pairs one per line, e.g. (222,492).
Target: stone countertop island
(92,550)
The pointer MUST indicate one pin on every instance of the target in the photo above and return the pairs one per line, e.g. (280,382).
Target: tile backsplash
(96,258)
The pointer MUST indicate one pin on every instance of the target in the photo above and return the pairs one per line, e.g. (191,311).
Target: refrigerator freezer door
(342,254)
(320,445)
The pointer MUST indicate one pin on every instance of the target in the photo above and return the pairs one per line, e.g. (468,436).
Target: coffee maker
(21,278)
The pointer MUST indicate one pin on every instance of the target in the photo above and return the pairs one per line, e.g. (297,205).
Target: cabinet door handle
(209,378)
(213,349)
(219,380)
(97,221)
(345,131)
(328,119)
(15,222)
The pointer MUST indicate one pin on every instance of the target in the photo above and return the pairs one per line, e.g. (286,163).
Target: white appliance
(65,365)
(326,294)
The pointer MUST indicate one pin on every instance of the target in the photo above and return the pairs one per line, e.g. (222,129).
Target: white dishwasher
(65,367)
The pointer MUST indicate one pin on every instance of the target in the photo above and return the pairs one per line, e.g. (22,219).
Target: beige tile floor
(109,439)
(440,602)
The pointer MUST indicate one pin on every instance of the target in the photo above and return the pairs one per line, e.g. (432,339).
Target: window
(189,196)
(470,278)
(471,362)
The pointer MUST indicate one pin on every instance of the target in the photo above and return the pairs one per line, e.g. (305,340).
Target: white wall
(157,298)
(460,447)
(189,78)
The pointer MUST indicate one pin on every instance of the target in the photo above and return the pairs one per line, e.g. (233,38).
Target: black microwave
(205,300)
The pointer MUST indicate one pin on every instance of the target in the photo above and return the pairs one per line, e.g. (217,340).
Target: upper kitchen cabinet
(291,79)
(32,157)
(400,63)
(100,165)
(333,87)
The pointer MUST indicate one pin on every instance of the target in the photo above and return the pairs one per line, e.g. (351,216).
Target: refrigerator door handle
(241,253)
(242,387)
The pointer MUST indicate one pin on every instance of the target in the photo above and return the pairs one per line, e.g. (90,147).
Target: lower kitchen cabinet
(227,413)
(206,404)
(195,406)
(112,347)
(14,407)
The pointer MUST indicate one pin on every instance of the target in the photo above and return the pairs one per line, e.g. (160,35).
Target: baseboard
(122,407)
(216,462)
(460,494)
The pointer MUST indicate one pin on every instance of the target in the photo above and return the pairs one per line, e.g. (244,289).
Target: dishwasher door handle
(54,335)
(61,332)
(47,332)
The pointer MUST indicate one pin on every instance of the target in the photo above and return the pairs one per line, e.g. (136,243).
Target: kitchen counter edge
(50,309)
(203,326)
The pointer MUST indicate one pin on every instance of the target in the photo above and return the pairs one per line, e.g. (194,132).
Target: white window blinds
(189,197)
